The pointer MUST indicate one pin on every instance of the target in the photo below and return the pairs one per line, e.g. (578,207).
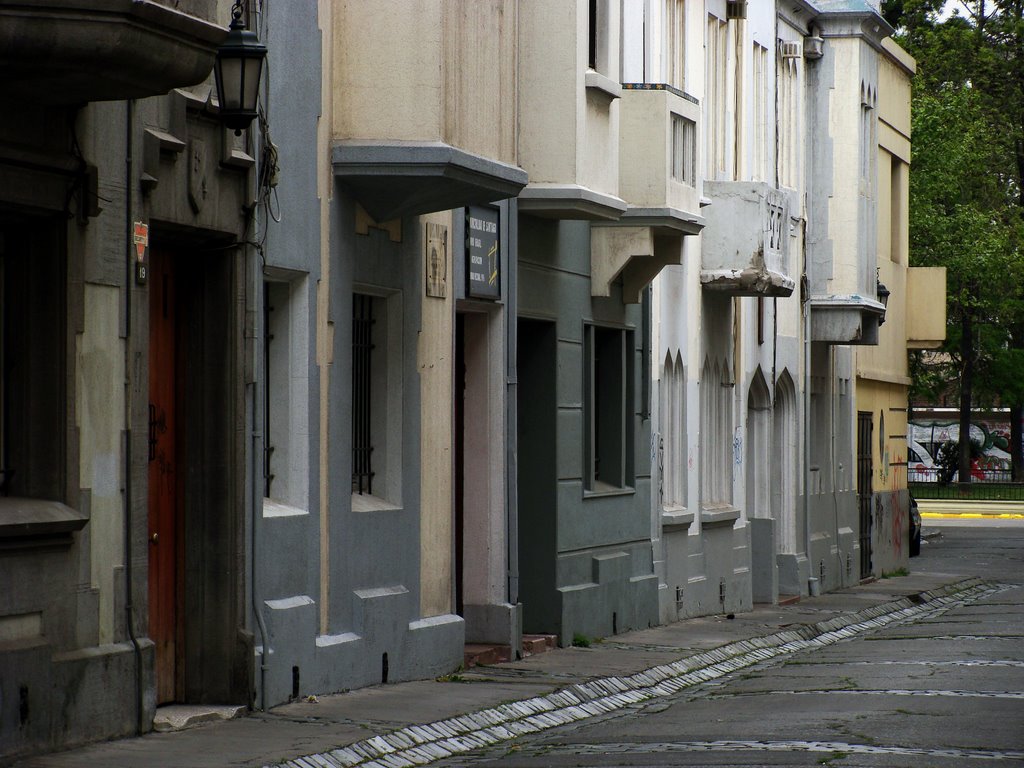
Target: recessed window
(32,408)
(673,432)
(675,42)
(608,408)
(716,432)
(684,150)
(376,401)
(286,391)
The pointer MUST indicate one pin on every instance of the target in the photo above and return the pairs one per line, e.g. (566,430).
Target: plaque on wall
(437,260)
(483,266)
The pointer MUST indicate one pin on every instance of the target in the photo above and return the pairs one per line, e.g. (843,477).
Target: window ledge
(31,523)
(674,517)
(595,81)
(604,489)
(273,508)
(365,502)
(719,514)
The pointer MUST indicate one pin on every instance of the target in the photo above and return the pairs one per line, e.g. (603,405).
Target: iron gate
(865,492)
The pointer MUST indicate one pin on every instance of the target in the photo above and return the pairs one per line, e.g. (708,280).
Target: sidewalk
(414,723)
(949,509)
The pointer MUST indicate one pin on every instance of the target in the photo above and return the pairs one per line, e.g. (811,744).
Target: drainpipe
(813,585)
(257,439)
(512,405)
(256,434)
(129,264)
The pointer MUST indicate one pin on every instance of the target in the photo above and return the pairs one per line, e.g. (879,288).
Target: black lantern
(883,298)
(239,64)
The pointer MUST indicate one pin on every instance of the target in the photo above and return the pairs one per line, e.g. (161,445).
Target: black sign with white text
(483,266)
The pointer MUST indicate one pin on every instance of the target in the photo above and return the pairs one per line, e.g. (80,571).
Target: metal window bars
(362,397)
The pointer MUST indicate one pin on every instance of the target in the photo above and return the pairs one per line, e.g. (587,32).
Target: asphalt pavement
(827,680)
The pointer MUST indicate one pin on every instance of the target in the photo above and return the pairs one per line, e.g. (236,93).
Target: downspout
(813,586)
(257,438)
(512,377)
(512,407)
(255,288)
(129,262)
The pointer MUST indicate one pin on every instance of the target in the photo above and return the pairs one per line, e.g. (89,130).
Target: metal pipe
(129,604)
(512,403)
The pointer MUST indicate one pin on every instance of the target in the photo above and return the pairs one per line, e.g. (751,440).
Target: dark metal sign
(483,265)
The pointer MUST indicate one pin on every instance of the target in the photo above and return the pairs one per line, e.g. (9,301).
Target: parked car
(915,528)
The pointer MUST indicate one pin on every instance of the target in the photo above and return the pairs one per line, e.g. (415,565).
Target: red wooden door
(164,518)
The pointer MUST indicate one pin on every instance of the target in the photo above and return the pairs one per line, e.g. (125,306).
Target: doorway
(195,480)
(865,489)
(537,367)
(165,517)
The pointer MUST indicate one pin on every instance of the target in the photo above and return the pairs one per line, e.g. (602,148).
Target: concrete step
(534,644)
(476,654)
(178,717)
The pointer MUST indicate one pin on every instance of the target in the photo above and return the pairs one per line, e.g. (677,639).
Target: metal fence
(993,485)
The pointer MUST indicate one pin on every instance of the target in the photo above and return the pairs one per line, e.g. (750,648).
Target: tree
(967,195)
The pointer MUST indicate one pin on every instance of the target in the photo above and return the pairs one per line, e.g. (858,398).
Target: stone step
(475,654)
(534,644)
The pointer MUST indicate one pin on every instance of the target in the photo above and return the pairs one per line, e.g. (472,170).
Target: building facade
(121,216)
(502,317)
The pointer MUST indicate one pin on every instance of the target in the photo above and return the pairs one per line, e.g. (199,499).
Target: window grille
(362,354)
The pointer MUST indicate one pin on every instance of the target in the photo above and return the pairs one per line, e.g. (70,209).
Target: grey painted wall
(605,576)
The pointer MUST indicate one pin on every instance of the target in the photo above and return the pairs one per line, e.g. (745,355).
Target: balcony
(568,113)
(412,134)
(658,181)
(77,51)
(747,240)
(926,307)
(658,140)
(849,319)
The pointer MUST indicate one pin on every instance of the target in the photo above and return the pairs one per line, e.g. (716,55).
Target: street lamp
(883,298)
(237,71)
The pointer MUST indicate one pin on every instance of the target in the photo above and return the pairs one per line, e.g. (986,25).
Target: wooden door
(164,496)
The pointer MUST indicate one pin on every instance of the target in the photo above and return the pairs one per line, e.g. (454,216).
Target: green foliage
(901,571)
(967,189)
(580,640)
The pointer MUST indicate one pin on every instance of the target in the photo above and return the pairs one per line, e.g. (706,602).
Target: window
(592,35)
(285,392)
(608,355)
(716,429)
(760,86)
(675,42)
(868,144)
(684,150)
(362,399)
(715,98)
(673,433)
(602,39)
(32,334)
(898,192)
(789,124)
(376,401)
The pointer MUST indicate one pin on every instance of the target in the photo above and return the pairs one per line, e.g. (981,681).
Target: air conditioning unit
(736,9)
(791,49)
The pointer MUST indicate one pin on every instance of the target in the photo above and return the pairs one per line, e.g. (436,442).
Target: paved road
(945,690)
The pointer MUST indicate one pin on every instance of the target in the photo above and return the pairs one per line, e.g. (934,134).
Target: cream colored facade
(915,317)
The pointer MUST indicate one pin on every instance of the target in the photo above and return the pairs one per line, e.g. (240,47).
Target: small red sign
(141,238)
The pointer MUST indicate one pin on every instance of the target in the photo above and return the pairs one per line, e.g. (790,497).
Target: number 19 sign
(483,266)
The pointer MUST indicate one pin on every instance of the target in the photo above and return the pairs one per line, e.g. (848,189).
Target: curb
(416,745)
